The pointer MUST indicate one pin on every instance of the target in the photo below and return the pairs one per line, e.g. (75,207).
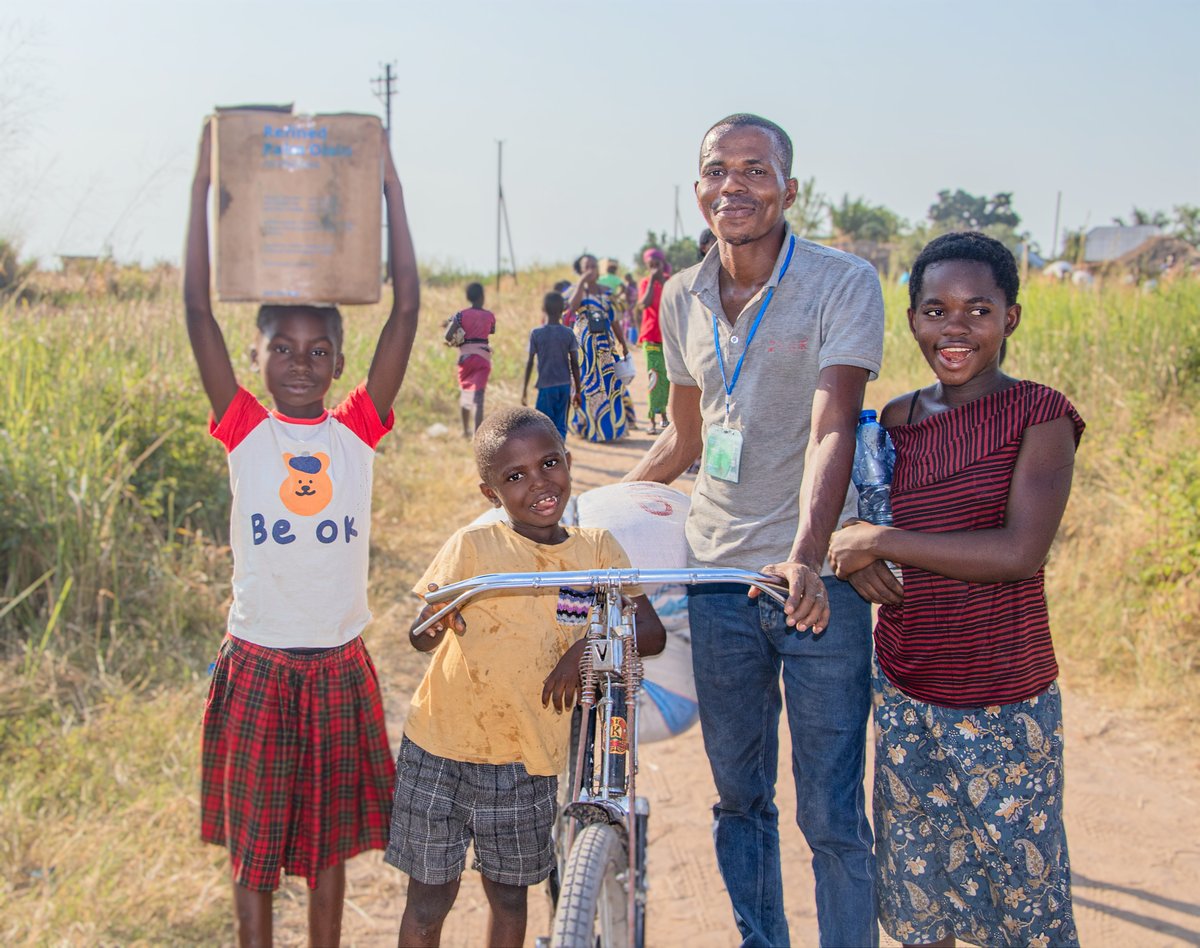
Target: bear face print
(307,490)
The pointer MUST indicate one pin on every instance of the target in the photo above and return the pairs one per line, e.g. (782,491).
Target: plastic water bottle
(874,460)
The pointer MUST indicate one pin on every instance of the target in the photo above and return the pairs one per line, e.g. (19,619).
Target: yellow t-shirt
(481,699)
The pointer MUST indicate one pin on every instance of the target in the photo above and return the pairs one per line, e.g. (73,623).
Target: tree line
(892,242)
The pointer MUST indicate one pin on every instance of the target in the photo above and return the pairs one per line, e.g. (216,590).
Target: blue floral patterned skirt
(602,412)
(968,821)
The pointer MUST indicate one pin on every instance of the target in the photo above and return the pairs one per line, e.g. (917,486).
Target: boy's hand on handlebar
(430,638)
(562,684)
(807,605)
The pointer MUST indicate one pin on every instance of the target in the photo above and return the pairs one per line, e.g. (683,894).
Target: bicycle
(601,834)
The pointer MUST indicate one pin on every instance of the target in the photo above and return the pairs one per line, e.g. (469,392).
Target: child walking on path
(297,771)
(474,358)
(649,297)
(968,718)
(556,350)
(489,726)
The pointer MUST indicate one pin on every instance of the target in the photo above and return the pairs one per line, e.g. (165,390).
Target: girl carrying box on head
(297,772)
(968,717)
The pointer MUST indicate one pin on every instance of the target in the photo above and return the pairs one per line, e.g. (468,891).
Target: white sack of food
(647,519)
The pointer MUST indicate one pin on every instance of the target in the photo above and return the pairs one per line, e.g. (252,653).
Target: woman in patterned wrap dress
(968,716)
(601,414)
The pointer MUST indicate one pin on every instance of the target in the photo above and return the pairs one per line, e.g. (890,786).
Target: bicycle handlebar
(460,592)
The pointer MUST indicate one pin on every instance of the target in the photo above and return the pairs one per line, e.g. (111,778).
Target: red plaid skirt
(297,774)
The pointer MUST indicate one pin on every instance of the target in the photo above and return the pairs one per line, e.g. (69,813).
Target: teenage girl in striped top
(968,719)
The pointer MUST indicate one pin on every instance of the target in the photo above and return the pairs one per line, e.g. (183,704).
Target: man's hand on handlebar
(428,640)
(562,684)
(807,604)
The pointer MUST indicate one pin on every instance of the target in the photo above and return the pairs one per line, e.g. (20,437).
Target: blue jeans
(739,646)
(553,402)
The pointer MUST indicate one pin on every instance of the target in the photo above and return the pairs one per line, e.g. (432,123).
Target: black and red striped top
(963,644)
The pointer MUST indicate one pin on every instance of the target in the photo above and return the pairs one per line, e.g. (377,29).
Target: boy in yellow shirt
(486,735)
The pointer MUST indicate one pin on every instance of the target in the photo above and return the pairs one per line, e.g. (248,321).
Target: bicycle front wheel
(593,903)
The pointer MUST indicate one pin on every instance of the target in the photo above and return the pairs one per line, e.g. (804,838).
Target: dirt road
(1131,810)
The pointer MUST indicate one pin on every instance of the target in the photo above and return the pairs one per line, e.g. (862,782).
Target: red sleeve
(358,413)
(244,414)
(1049,405)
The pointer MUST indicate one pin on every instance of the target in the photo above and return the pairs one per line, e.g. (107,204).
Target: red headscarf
(653,253)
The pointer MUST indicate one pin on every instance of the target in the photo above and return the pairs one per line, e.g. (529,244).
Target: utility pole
(678,219)
(385,87)
(502,216)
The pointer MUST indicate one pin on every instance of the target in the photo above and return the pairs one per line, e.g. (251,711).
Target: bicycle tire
(593,902)
(558,833)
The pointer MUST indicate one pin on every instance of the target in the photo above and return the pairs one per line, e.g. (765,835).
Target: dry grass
(95,821)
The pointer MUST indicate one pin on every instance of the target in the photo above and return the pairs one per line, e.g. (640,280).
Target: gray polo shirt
(828,310)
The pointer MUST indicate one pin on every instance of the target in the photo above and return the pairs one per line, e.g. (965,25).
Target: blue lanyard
(737,371)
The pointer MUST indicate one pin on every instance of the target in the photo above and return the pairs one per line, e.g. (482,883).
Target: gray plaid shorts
(441,805)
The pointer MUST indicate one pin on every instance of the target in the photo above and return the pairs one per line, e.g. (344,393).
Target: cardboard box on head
(298,206)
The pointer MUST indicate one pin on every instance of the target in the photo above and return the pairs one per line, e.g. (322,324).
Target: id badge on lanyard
(723,452)
(723,445)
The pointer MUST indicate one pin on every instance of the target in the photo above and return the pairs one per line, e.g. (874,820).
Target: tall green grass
(109,499)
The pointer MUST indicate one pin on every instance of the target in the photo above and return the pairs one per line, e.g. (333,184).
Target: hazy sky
(601,107)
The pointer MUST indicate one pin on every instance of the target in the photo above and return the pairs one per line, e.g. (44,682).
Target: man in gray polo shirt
(769,345)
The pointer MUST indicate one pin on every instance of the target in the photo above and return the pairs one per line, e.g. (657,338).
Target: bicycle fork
(611,677)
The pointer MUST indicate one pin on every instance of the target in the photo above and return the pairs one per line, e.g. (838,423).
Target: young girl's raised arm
(208,345)
(1041,484)
(396,340)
